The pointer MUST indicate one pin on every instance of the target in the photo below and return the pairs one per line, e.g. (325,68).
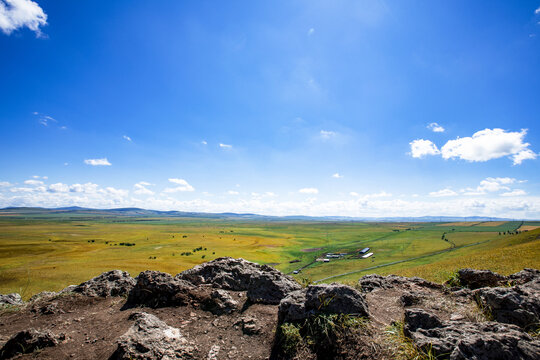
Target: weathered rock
(371,282)
(219,302)
(263,283)
(151,338)
(11,299)
(519,305)
(44,295)
(524,276)
(158,289)
(26,342)
(465,340)
(111,283)
(48,308)
(269,287)
(249,325)
(410,298)
(475,279)
(324,298)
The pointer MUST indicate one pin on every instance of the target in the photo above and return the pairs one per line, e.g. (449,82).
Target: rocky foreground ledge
(234,309)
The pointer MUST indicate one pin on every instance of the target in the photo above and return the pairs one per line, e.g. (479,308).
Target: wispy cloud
(443,193)
(225,146)
(33,182)
(232,192)
(537,11)
(327,134)
(183,185)
(435,127)
(204,142)
(311,31)
(141,188)
(5,184)
(125,137)
(97,162)
(516,192)
(17,14)
(337,176)
(309,191)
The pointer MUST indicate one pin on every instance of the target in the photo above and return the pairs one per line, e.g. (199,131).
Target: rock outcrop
(371,282)
(111,283)
(27,341)
(466,340)
(475,279)
(11,299)
(158,289)
(519,305)
(263,284)
(151,338)
(324,298)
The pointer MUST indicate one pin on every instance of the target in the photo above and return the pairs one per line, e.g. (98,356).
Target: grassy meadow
(50,252)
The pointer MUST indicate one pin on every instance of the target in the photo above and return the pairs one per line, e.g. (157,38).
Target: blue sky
(358,108)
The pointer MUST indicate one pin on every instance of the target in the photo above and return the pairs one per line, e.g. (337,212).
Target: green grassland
(50,252)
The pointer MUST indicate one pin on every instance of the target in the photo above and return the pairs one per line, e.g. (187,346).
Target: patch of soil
(92,325)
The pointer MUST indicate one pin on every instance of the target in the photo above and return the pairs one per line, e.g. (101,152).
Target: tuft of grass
(404,347)
(289,339)
(454,280)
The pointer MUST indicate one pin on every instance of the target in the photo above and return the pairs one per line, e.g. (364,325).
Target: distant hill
(138,212)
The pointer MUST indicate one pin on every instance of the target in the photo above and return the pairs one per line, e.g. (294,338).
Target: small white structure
(367,255)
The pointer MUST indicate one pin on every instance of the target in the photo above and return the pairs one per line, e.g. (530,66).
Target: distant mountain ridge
(138,212)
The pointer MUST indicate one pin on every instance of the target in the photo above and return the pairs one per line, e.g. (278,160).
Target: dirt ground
(92,325)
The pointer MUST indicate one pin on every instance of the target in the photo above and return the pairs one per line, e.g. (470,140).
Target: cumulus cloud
(443,193)
(381,194)
(58,188)
(17,14)
(232,192)
(337,176)
(125,137)
(435,127)
(537,11)
(141,188)
(204,142)
(421,148)
(5,183)
(97,162)
(225,146)
(516,192)
(489,144)
(482,146)
(183,185)
(309,191)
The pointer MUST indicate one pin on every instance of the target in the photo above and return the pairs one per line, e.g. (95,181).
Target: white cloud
(141,188)
(489,144)
(443,193)
(435,127)
(5,183)
(88,188)
(516,192)
(380,194)
(58,187)
(232,192)
(267,194)
(337,176)
(183,185)
(354,193)
(537,11)
(327,134)
(204,142)
(34,182)
(421,148)
(311,31)
(125,137)
(16,14)
(97,162)
(308,191)
(225,146)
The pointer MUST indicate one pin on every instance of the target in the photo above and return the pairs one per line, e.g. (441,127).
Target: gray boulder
(158,289)
(324,298)
(524,276)
(519,305)
(371,282)
(464,340)
(111,283)
(475,279)
(27,341)
(262,283)
(11,299)
(151,338)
